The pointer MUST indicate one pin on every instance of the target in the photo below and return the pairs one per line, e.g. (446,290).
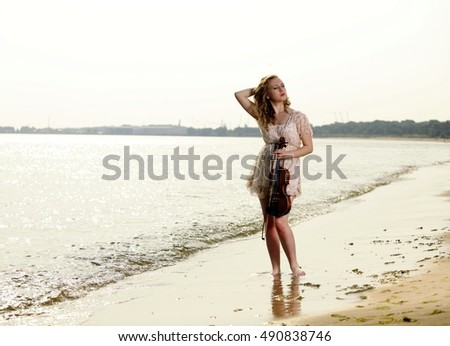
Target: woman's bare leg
(272,239)
(286,237)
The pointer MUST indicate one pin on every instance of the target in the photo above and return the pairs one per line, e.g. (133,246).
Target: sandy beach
(378,259)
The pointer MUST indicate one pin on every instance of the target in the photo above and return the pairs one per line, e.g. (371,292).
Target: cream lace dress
(259,180)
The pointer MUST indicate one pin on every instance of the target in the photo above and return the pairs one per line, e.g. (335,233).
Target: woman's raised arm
(242,97)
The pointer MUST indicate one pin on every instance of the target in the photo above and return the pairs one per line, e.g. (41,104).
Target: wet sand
(420,300)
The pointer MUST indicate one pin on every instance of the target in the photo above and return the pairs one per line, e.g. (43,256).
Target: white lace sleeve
(302,123)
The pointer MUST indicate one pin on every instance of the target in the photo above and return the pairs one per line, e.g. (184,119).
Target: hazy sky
(110,62)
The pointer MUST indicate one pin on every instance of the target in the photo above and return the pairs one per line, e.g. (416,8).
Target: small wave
(366,188)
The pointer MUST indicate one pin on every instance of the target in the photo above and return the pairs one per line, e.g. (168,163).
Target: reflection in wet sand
(286,304)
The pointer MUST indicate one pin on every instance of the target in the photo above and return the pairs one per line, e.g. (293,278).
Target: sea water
(79,212)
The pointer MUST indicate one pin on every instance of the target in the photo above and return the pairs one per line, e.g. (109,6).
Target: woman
(276,119)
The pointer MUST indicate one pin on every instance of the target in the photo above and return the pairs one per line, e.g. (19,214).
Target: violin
(279,203)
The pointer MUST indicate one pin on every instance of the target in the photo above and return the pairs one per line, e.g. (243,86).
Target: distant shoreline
(389,138)
(431,129)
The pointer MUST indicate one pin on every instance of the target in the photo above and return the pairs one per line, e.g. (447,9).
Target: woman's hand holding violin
(282,154)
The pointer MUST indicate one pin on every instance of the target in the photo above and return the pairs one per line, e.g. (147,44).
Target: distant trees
(223,131)
(7,129)
(380,128)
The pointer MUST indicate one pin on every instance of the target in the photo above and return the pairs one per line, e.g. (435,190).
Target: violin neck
(279,145)
(275,175)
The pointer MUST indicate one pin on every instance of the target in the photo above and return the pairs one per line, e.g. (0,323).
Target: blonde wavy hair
(266,113)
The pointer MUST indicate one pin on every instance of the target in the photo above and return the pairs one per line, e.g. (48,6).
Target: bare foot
(298,272)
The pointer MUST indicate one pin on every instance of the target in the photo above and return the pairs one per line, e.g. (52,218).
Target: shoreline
(388,138)
(380,238)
